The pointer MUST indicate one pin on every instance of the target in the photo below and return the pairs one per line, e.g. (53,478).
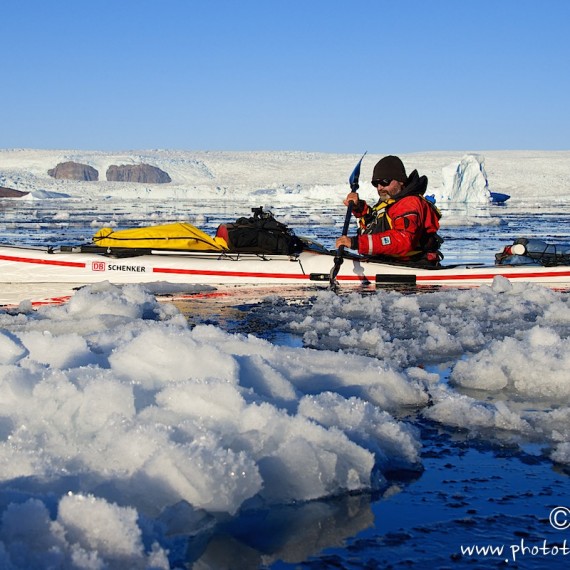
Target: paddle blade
(353,180)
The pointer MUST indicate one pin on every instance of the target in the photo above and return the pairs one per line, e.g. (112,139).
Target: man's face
(389,189)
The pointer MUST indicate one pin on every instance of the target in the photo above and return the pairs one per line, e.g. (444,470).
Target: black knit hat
(390,167)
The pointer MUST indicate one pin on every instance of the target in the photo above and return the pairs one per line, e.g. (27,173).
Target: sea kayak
(87,264)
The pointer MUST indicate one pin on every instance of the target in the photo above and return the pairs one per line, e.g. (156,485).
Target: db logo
(98,266)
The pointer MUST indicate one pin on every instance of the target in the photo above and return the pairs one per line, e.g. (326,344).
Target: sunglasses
(382,182)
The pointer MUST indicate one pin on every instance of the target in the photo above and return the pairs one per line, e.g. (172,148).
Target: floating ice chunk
(28,535)
(465,181)
(95,525)
(312,462)
(261,375)
(458,410)
(88,533)
(63,351)
(161,355)
(561,453)
(535,366)
(395,444)
(200,473)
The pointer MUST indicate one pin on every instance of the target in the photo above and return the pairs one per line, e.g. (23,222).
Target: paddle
(338,258)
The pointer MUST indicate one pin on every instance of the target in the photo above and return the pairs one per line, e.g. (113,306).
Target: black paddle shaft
(338,258)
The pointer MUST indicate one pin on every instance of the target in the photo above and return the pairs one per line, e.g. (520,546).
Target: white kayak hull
(37,265)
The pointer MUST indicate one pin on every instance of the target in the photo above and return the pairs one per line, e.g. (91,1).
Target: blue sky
(387,76)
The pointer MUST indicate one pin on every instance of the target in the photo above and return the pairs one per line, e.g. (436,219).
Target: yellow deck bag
(170,236)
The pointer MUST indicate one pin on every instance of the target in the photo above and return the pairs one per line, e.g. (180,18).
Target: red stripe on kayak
(42,261)
(229,273)
(52,301)
(434,276)
(481,276)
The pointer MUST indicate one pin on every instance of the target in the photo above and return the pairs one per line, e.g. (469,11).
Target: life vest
(378,220)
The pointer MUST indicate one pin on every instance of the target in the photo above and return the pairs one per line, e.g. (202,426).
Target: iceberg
(465,181)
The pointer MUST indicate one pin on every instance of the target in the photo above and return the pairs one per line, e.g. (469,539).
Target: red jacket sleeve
(409,220)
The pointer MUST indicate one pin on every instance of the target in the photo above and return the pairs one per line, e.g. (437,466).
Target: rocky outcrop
(74,171)
(137,173)
(11,193)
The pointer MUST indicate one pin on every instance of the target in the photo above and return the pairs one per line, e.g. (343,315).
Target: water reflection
(291,534)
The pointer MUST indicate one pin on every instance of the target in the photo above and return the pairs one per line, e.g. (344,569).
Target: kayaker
(403,224)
